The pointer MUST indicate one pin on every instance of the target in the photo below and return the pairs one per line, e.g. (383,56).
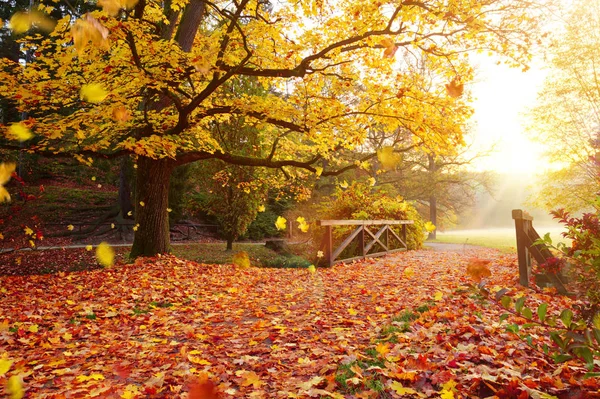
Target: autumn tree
(566,119)
(149,79)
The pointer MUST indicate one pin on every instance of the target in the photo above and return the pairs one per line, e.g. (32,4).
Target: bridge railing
(372,238)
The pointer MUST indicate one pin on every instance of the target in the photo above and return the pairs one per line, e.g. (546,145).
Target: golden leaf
(383,348)
(89,29)
(121,114)
(20,131)
(105,254)
(21,22)
(261,208)
(344,184)
(5,366)
(400,390)
(409,272)
(241,259)
(388,158)
(281,223)
(14,386)
(6,171)
(429,227)
(93,93)
(312,269)
(70,227)
(302,225)
(438,295)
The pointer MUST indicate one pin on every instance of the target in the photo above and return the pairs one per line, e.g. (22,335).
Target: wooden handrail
(384,237)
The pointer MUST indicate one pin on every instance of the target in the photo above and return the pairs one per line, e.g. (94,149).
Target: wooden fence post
(522,225)
(328,246)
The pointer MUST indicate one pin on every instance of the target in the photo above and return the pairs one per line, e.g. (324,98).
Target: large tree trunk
(152,176)
(229,244)
(151,218)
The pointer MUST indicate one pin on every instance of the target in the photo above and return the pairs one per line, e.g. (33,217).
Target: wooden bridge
(368,242)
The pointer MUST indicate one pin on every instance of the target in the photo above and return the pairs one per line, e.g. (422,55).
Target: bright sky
(502,95)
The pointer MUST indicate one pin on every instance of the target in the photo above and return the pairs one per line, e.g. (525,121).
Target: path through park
(160,327)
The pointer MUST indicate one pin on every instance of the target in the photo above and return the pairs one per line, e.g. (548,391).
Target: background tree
(566,119)
(150,79)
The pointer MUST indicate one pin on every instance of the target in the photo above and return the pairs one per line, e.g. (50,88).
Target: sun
(502,96)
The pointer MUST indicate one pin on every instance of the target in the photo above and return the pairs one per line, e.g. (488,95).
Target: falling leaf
(169,210)
(478,269)
(302,225)
(6,170)
(344,184)
(28,231)
(261,208)
(14,386)
(93,93)
(70,227)
(320,254)
(136,227)
(142,203)
(390,47)
(241,259)
(21,21)
(371,181)
(429,227)
(20,131)
(312,269)
(88,247)
(203,389)
(318,171)
(409,272)
(88,29)
(454,88)
(387,158)
(105,254)
(281,223)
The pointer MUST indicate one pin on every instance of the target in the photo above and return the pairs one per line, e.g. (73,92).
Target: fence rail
(365,237)
(526,236)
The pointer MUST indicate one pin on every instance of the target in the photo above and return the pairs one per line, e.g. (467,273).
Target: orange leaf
(478,269)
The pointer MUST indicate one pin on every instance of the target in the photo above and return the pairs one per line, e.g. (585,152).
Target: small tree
(233,197)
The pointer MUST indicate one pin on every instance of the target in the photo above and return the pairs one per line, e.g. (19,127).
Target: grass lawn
(215,253)
(503,239)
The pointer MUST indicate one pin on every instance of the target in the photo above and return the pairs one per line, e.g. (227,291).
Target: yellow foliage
(21,21)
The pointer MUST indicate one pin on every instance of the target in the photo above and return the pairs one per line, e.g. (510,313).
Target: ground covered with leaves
(407,325)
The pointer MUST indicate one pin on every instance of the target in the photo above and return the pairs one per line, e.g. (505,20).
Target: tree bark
(151,218)
(124,190)
(229,244)
(190,21)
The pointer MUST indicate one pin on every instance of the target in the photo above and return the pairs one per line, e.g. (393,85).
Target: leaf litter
(165,327)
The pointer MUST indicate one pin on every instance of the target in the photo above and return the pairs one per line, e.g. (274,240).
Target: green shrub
(360,201)
(288,261)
